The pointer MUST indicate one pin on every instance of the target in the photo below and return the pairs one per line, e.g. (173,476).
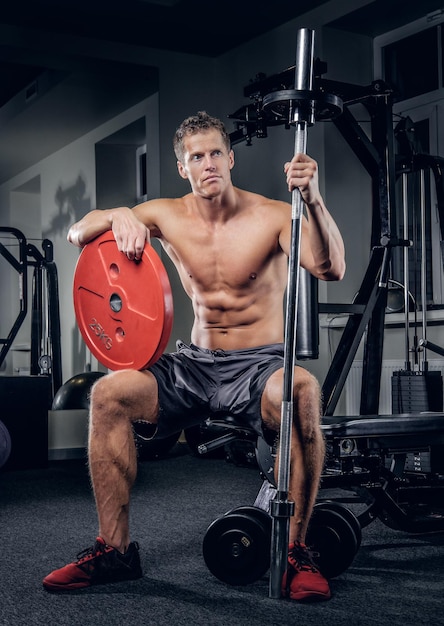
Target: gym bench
(393,465)
(397,460)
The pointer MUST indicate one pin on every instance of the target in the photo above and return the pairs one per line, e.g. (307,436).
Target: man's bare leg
(116,401)
(307,456)
(307,443)
(302,580)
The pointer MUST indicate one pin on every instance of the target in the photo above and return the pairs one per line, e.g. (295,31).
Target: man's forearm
(89,227)
(326,243)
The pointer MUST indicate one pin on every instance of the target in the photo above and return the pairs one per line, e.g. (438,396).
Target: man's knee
(305,384)
(307,408)
(108,389)
(130,393)
(306,387)
(306,399)
(271,400)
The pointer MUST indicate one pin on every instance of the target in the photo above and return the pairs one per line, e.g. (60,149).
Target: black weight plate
(333,541)
(349,516)
(325,544)
(327,106)
(236,549)
(256,513)
(5,444)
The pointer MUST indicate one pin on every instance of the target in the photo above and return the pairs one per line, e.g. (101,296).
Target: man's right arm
(88,228)
(130,233)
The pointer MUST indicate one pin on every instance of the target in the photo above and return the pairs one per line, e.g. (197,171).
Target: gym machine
(45,314)
(371,459)
(26,399)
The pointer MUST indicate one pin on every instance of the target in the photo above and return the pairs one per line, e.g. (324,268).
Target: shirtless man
(230,248)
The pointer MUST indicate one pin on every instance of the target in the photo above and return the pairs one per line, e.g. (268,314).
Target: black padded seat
(388,431)
(374,425)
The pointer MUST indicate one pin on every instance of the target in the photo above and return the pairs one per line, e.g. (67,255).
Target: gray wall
(188,83)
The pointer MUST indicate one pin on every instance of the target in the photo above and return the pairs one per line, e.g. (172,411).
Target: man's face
(206,163)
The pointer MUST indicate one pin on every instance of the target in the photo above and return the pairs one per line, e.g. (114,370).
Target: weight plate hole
(114,270)
(115,302)
(120,334)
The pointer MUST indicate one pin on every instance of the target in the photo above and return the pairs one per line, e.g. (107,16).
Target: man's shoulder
(257,200)
(165,202)
(158,213)
(159,206)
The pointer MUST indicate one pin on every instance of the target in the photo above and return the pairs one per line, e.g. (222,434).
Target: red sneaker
(303,580)
(96,565)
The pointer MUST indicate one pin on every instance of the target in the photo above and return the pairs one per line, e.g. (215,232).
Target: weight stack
(24,411)
(417,392)
(414,392)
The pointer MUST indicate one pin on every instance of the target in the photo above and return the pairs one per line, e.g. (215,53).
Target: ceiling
(58,38)
(189,26)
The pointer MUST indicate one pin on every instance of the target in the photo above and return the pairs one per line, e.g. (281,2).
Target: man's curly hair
(198,123)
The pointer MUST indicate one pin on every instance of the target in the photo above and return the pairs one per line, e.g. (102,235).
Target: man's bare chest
(230,260)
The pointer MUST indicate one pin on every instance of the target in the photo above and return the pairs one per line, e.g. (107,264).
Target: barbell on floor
(237,546)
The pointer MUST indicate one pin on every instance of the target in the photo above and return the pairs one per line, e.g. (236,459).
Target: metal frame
(43,303)
(377,154)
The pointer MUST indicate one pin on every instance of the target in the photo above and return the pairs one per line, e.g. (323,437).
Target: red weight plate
(124,309)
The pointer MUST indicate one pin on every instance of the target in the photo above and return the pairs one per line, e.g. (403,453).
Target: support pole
(424,363)
(405,210)
(281,508)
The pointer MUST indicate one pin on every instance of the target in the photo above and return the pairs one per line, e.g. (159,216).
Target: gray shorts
(195,383)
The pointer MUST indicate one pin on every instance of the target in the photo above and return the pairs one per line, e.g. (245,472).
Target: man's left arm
(322,246)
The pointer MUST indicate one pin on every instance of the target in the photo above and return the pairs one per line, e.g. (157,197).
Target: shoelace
(302,559)
(94,550)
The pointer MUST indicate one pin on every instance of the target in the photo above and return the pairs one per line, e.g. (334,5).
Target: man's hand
(302,174)
(130,233)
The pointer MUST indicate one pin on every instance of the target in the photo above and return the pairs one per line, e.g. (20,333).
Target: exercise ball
(74,394)
(5,444)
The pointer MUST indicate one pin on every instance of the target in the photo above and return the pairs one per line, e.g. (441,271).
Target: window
(410,65)
(411,61)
